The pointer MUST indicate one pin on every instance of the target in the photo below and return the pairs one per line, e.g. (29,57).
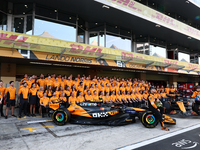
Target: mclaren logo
(100,115)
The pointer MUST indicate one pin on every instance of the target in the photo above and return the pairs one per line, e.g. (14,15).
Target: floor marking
(29,117)
(156,139)
(31,129)
(39,121)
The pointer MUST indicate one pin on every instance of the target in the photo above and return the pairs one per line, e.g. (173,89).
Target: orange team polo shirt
(56,84)
(62,84)
(128,97)
(87,83)
(97,90)
(107,89)
(145,95)
(119,97)
(163,95)
(106,98)
(33,92)
(29,83)
(57,93)
(133,96)
(68,83)
(75,93)
(113,97)
(67,93)
(122,89)
(128,89)
(102,89)
(72,100)
(155,96)
(172,90)
(123,96)
(45,101)
(41,82)
(158,96)
(92,90)
(95,98)
(76,84)
(23,80)
(80,99)
(63,98)
(2,90)
(40,94)
(54,99)
(142,88)
(112,89)
(139,96)
(80,89)
(24,92)
(88,97)
(48,83)
(11,91)
(167,90)
(53,79)
(59,79)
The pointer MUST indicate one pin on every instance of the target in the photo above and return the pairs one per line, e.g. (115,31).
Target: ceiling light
(55,10)
(38,63)
(128,32)
(107,7)
(24,13)
(153,3)
(168,13)
(189,37)
(62,65)
(19,22)
(158,25)
(96,23)
(26,6)
(70,18)
(115,26)
(140,35)
(21,18)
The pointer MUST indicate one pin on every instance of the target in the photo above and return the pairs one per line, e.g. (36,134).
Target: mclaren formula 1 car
(97,113)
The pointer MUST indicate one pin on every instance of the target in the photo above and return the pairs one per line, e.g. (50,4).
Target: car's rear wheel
(61,117)
(149,120)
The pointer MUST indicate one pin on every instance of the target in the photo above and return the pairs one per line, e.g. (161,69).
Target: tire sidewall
(144,119)
(64,116)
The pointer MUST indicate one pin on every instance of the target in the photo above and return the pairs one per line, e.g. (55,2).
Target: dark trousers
(23,105)
(44,110)
(1,107)
(157,113)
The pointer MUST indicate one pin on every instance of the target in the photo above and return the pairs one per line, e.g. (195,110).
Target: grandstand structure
(154,40)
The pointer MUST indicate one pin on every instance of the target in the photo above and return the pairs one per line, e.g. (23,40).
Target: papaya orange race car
(97,113)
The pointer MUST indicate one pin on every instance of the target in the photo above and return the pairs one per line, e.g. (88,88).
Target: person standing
(2,91)
(33,99)
(23,94)
(11,93)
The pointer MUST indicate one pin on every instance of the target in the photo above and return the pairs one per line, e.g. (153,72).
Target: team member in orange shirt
(85,91)
(107,88)
(73,89)
(25,78)
(128,88)
(57,92)
(48,82)
(102,89)
(76,83)
(95,97)
(122,88)
(63,98)
(2,91)
(32,99)
(23,94)
(124,98)
(112,88)
(49,91)
(29,82)
(72,99)
(44,101)
(106,99)
(163,95)
(10,93)
(80,98)
(138,98)
(172,90)
(113,97)
(167,89)
(92,89)
(56,83)
(97,89)
(80,88)
(128,98)
(88,96)
(54,99)
(119,98)
(133,98)
(62,83)
(41,81)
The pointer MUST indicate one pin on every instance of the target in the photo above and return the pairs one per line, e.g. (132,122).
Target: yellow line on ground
(31,129)
(29,117)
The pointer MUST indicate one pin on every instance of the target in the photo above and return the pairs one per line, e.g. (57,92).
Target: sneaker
(33,115)
(2,115)
(14,115)
(6,117)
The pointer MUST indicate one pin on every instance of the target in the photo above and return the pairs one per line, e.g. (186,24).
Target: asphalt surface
(41,133)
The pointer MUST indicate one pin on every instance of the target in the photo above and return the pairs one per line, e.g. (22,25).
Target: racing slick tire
(149,120)
(61,117)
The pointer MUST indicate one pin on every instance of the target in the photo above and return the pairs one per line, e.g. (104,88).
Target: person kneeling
(44,102)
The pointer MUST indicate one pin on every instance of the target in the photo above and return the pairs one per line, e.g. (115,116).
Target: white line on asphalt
(140,144)
(38,121)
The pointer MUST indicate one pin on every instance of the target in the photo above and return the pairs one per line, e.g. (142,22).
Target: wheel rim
(59,117)
(150,119)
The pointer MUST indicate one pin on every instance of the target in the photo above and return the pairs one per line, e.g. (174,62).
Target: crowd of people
(35,92)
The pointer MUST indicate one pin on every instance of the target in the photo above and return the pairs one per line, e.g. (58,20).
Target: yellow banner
(41,44)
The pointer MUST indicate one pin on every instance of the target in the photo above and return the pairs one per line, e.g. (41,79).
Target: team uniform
(23,92)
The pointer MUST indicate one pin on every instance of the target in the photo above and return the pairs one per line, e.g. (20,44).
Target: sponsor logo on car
(88,104)
(130,111)
(100,115)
